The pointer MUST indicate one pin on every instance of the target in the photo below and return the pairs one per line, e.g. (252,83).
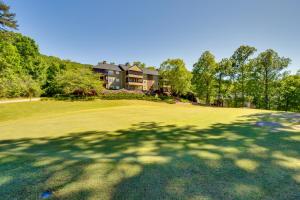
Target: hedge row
(139,96)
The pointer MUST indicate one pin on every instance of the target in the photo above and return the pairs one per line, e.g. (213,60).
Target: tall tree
(289,93)
(86,84)
(203,75)
(223,69)
(239,59)
(7,19)
(139,64)
(269,64)
(178,77)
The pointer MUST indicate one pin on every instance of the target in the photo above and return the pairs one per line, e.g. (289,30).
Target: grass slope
(145,150)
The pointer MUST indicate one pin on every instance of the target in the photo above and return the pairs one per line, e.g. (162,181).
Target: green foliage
(31,88)
(54,66)
(7,19)
(132,95)
(139,64)
(289,93)
(178,77)
(223,69)
(268,66)
(203,75)
(24,72)
(9,57)
(151,67)
(240,71)
(123,95)
(20,70)
(77,81)
(240,80)
(18,85)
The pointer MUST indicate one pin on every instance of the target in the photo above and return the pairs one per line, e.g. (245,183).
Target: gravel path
(19,100)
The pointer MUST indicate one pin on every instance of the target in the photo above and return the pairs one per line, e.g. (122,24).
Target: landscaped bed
(130,149)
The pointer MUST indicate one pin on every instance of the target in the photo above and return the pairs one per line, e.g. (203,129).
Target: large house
(127,77)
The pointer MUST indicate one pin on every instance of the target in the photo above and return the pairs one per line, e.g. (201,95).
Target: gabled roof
(150,71)
(107,66)
(123,68)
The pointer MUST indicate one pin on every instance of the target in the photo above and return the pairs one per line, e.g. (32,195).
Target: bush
(79,81)
(127,94)
(18,85)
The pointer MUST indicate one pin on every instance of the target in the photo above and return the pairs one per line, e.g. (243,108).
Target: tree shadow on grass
(156,161)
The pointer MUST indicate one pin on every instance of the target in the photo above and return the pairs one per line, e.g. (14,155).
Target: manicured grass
(145,150)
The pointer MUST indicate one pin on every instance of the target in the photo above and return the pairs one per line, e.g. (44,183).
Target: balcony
(135,83)
(135,75)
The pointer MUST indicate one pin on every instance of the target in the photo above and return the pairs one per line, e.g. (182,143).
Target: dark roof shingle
(123,67)
(107,66)
(150,71)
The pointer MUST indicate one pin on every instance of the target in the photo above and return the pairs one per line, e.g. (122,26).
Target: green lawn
(146,150)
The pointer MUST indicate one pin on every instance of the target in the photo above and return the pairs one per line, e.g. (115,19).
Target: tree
(254,87)
(203,75)
(7,19)
(178,77)
(239,60)
(151,67)
(269,65)
(223,69)
(139,64)
(289,92)
(18,84)
(31,88)
(9,57)
(86,83)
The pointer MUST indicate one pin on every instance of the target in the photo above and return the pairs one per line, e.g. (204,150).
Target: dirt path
(19,100)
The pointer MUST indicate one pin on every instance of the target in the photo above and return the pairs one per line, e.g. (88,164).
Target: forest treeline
(241,80)
(24,72)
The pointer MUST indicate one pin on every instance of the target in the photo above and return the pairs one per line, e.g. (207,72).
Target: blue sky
(151,31)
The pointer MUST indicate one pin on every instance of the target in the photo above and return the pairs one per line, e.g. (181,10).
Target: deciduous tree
(86,83)
(175,72)
(223,69)
(203,75)
(269,64)
(239,60)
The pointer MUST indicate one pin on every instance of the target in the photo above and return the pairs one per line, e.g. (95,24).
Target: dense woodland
(239,81)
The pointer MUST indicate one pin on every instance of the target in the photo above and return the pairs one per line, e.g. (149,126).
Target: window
(110,79)
(117,80)
(117,87)
(117,72)
(110,72)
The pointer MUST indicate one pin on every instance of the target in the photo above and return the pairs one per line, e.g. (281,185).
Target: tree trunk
(243,96)
(286,104)
(266,90)
(219,92)
(207,95)
(235,101)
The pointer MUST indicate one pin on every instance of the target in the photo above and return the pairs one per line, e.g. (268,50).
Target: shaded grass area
(158,160)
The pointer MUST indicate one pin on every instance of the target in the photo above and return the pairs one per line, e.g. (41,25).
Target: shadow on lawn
(156,161)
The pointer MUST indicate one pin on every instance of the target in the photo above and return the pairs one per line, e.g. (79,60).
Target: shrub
(127,94)
(79,81)
(18,85)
